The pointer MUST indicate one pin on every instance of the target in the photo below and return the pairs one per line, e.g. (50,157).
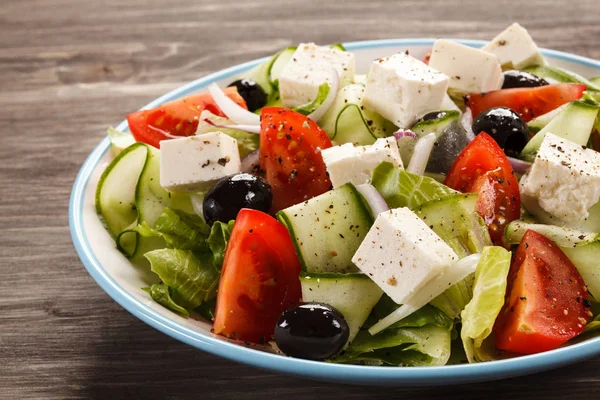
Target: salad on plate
(433,211)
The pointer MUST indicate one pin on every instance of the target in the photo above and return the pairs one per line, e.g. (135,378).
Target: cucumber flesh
(115,194)
(574,123)
(585,258)
(279,61)
(558,74)
(353,295)
(538,123)
(347,121)
(455,219)
(328,229)
(562,236)
(451,139)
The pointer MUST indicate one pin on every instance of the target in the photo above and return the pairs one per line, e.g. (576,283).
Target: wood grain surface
(69,68)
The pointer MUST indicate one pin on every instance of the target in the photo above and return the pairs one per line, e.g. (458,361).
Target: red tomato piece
(259,278)
(527,102)
(427,57)
(290,155)
(482,167)
(546,299)
(175,118)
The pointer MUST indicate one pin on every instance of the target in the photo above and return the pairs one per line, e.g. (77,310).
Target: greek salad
(433,211)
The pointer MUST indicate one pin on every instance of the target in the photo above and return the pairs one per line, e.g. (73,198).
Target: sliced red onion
(373,198)
(233,111)
(519,166)
(420,157)
(334,86)
(467,122)
(402,133)
(245,128)
(250,161)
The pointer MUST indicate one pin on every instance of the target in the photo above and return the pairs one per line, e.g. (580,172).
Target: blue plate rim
(353,374)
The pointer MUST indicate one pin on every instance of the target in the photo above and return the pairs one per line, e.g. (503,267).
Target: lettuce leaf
(192,278)
(179,230)
(217,241)
(160,293)
(308,108)
(403,189)
(480,313)
(423,338)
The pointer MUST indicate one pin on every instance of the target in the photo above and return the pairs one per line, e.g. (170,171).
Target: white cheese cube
(195,162)
(310,67)
(470,70)
(349,164)
(564,179)
(515,48)
(402,88)
(402,254)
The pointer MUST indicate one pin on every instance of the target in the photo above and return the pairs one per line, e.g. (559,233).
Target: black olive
(432,115)
(520,79)
(313,331)
(505,126)
(229,195)
(254,95)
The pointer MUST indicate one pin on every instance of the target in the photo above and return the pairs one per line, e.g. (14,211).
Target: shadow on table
(139,362)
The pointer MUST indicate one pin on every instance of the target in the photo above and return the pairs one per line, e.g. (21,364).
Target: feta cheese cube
(310,67)
(515,48)
(347,163)
(564,179)
(402,88)
(470,70)
(402,254)
(195,162)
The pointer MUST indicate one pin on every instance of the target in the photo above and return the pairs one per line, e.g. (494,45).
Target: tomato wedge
(546,299)
(290,156)
(527,102)
(175,118)
(259,278)
(482,167)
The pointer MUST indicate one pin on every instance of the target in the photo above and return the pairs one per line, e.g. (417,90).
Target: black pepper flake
(288,136)
(342,236)
(523,298)
(223,161)
(586,303)
(206,164)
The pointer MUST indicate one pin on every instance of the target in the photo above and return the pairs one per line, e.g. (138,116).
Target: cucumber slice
(338,46)
(151,198)
(260,75)
(574,123)
(347,121)
(537,124)
(451,139)
(354,295)
(279,61)
(455,219)
(119,141)
(558,74)
(585,259)
(328,229)
(595,80)
(115,194)
(562,236)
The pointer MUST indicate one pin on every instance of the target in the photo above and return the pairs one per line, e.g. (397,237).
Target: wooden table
(71,68)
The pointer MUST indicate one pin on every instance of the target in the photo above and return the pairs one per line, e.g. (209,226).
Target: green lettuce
(217,241)
(308,108)
(422,338)
(192,278)
(179,230)
(479,315)
(161,294)
(403,189)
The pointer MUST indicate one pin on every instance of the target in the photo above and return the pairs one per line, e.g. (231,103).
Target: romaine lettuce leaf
(480,313)
(179,230)
(423,338)
(160,293)
(217,241)
(311,106)
(403,189)
(191,276)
